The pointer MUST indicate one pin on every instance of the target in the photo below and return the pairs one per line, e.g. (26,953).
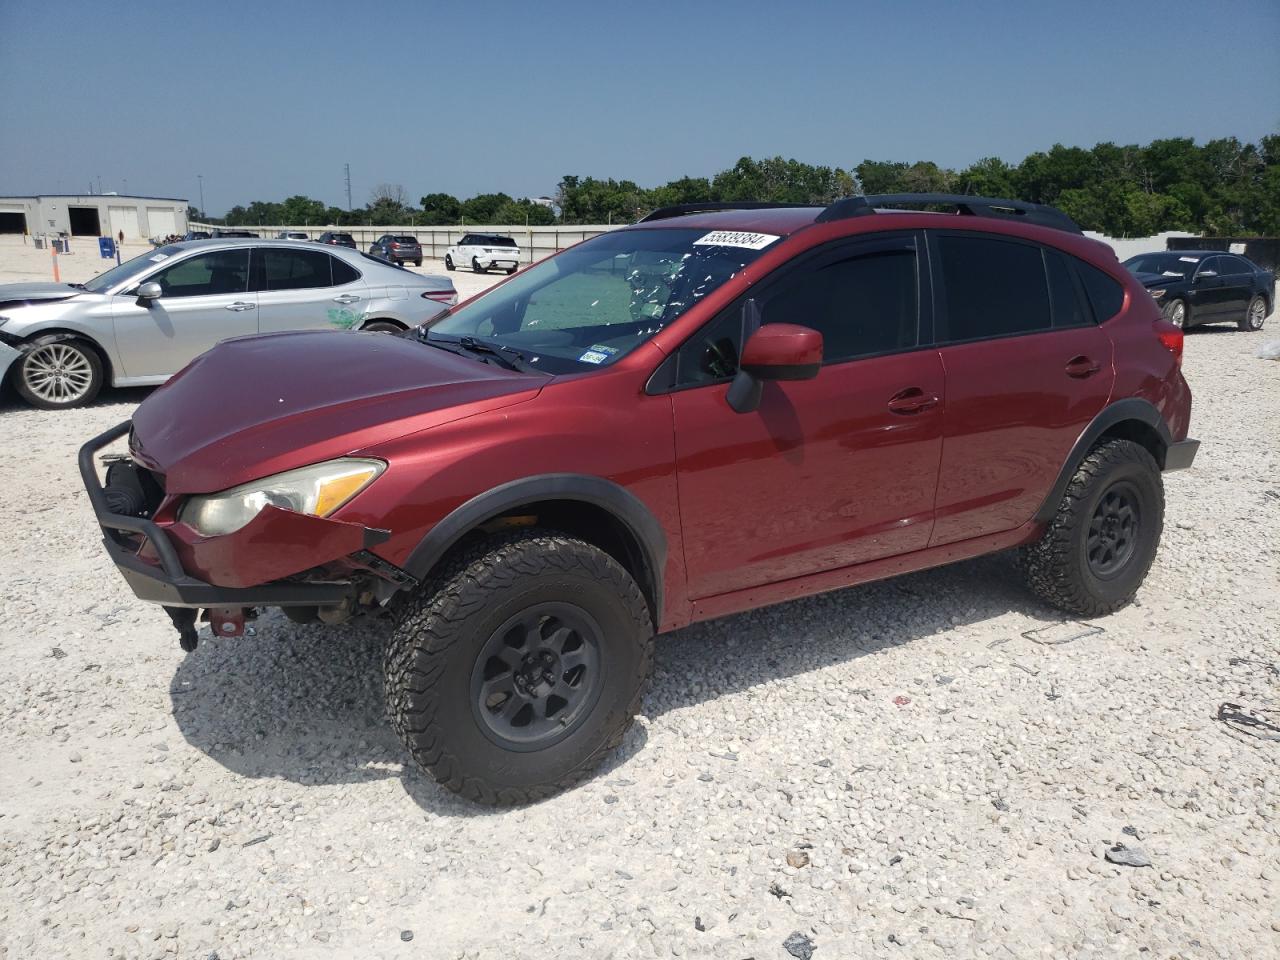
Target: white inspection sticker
(736,238)
(158,257)
(1189,259)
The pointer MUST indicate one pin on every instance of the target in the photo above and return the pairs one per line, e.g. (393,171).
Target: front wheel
(1175,311)
(515,671)
(1101,542)
(57,373)
(448,262)
(1255,315)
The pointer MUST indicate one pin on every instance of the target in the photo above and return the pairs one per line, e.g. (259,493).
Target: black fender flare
(597,491)
(1130,408)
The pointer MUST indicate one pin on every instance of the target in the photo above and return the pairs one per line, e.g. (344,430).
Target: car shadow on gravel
(10,402)
(305,704)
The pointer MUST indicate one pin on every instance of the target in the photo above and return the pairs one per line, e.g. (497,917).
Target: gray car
(141,322)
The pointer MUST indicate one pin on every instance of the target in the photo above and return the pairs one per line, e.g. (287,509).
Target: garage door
(161,221)
(13,218)
(126,219)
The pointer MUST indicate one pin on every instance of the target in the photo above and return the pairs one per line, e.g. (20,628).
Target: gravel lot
(911,769)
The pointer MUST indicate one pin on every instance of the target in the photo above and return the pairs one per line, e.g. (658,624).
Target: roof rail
(1037,213)
(680,209)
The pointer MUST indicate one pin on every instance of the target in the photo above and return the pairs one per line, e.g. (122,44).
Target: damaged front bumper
(257,566)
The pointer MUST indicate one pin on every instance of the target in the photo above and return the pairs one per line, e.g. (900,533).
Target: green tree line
(1223,187)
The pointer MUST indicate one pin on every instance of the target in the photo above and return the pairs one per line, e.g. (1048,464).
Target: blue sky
(272,97)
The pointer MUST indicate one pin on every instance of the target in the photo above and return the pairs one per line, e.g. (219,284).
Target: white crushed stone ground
(941,785)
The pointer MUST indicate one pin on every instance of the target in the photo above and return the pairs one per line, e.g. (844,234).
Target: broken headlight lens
(319,490)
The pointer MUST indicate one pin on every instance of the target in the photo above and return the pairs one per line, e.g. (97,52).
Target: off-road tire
(1170,309)
(1255,314)
(448,262)
(442,629)
(81,362)
(1057,567)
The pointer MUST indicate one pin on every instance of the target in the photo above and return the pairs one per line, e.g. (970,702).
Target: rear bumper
(1180,454)
(166,581)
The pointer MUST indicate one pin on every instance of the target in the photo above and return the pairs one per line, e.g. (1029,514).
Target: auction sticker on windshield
(736,238)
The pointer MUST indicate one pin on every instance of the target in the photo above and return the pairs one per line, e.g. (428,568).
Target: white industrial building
(94,215)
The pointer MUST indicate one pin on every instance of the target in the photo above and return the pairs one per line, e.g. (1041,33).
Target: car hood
(1156,279)
(21,294)
(255,406)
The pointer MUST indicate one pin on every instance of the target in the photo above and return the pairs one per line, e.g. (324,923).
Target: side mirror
(775,351)
(147,292)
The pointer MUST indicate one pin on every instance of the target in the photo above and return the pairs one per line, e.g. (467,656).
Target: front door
(1210,294)
(828,472)
(306,289)
(204,298)
(1027,369)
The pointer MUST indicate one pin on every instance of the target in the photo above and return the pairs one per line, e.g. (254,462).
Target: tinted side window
(994,288)
(1069,310)
(343,272)
(1105,294)
(221,271)
(294,269)
(1237,266)
(862,305)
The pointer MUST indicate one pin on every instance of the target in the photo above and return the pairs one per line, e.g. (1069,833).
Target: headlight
(1158,292)
(319,490)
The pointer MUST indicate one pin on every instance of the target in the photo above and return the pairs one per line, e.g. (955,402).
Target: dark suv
(336,239)
(397,248)
(708,411)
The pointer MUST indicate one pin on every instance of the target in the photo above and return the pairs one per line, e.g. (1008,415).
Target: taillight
(440,296)
(1170,338)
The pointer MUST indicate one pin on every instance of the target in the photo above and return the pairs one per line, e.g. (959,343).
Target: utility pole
(347,168)
(200,177)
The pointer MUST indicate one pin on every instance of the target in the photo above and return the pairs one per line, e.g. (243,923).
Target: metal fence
(535,242)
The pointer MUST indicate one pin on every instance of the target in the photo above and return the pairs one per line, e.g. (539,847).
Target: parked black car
(1206,286)
(337,239)
(197,235)
(397,248)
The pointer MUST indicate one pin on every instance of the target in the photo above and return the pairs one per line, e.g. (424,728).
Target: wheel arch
(1132,418)
(590,508)
(396,321)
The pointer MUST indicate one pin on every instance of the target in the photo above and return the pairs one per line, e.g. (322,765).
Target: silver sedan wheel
(1257,313)
(57,373)
(1178,313)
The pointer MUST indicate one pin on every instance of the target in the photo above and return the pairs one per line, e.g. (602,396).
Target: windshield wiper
(507,357)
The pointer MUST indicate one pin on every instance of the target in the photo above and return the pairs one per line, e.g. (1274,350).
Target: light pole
(200,177)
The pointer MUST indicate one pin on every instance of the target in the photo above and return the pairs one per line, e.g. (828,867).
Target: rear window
(343,236)
(499,242)
(405,239)
(994,288)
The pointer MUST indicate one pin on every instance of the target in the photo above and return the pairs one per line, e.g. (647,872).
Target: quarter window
(294,269)
(1069,309)
(994,288)
(207,274)
(343,272)
(1105,294)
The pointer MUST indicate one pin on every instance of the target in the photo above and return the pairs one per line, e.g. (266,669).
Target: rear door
(1237,285)
(306,289)
(828,472)
(205,298)
(1027,368)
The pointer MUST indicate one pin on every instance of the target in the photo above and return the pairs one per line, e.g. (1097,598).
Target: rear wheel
(57,373)
(383,326)
(1175,311)
(475,265)
(418,262)
(1255,315)
(1101,542)
(513,673)
(511,270)
(448,262)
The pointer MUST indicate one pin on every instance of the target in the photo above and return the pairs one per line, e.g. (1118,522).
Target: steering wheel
(717,361)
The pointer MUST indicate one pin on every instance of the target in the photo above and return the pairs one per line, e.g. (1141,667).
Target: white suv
(482,251)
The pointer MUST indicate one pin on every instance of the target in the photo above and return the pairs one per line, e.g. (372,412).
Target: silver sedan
(141,322)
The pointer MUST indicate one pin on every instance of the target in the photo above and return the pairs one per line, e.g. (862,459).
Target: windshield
(119,274)
(595,303)
(1168,264)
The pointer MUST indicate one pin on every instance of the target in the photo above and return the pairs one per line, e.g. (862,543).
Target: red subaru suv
(720,407)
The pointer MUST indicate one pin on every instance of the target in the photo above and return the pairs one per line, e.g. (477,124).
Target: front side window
(206,274)
(863,302)
(993,288)
(596,302)
(284,269)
